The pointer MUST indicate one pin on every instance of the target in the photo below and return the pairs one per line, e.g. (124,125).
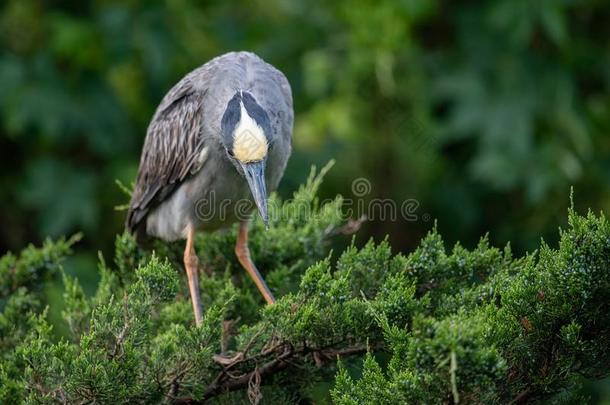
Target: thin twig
(286,356)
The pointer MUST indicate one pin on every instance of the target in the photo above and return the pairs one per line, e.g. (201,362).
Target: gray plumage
(186,175)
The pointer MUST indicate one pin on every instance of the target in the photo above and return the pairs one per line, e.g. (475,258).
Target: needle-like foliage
(369,326)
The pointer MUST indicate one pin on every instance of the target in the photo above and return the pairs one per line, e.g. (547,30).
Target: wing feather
(171,151)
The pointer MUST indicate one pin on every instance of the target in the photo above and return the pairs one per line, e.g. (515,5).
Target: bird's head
(245,132)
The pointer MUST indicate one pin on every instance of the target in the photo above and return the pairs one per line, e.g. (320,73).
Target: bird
(218,142)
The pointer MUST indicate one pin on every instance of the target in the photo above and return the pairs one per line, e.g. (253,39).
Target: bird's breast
(213,197)
(220,199)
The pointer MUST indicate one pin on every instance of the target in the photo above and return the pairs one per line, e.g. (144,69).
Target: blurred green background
(484,112)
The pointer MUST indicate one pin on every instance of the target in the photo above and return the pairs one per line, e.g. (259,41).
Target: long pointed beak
(255,175)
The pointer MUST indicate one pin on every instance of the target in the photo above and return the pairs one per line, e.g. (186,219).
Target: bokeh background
(484,112)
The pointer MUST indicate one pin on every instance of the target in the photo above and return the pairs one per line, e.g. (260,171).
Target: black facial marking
(257,113)
(230,119)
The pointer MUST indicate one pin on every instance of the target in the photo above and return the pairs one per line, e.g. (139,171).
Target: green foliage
(522,332)
(21,295)
(436,326)
(33,266)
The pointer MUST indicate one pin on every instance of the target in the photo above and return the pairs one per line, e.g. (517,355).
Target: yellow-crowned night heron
(221,136)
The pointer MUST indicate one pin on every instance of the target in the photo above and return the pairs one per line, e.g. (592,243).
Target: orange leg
(191,264)
(243,255)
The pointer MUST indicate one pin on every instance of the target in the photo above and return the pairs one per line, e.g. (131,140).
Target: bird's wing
(172,150)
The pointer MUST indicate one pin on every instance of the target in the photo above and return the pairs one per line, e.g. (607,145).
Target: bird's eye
(230,153)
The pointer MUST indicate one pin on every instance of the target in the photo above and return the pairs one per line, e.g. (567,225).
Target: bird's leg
(243,255)
(191,264)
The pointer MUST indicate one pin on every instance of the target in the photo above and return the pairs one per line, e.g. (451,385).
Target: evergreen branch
(286,355)
(458,326)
